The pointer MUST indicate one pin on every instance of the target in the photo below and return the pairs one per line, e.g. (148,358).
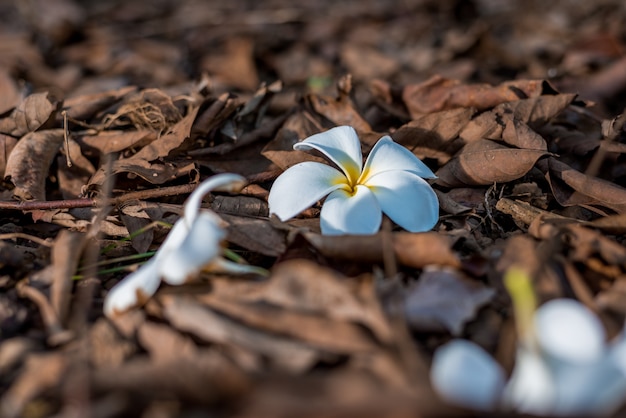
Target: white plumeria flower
(570,371)
(390,182)
(192,244)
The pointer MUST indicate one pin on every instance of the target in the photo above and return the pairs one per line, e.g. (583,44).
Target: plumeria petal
(464,374)
(531,388)
(300,186)
(341,145)
(347,213)
(200,246)
(406,198)
(388,155)
(134,290)
(567,330)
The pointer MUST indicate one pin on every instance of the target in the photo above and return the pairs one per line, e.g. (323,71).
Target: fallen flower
(390,182)
(563,367)
(192,245)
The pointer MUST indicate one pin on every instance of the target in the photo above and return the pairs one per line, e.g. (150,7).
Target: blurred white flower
(192,245)
(390,182)
(566,368)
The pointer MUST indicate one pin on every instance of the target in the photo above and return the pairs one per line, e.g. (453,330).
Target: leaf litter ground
(112,112)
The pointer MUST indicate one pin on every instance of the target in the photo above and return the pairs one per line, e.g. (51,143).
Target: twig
(37,240)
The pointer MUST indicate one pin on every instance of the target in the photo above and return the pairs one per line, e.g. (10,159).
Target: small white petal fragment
(465,374)
(226,182)
(406,198)
(347,213)
(388,155)
(569,331)
(200,246)
(341,145)
(134,290)
(531,388)
(300,186)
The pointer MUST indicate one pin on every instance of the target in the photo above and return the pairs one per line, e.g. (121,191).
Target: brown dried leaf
(188,315)
(169,142)
(84,107)
(7,143)
(135,218)
(208,377)
(29,162)
(33,112)
(435,135)
(327,334)
(280,150)
(444,299)
(411,249)
(307,287)
(256,235)
(42,372)
(340,110)
(571,187)
(164,344)
(485,162)
(439,93)
(535,112)
(65,255)
(115,141)
(520,135)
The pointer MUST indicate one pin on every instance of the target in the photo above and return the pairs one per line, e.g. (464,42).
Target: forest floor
(112,112)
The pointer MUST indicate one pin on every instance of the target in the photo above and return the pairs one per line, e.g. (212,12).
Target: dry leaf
(485,162)
(415,250)
(439,93)
(135,218)
(85,107)
(571,187)
(435,135)
(535,112)
(106,142)
(29,162)
(29,116)
(188,315)
(444,299)
(341,111)
(328,334)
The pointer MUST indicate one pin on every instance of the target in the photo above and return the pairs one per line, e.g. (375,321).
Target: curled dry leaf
(435,135)
(535,112)
(443,298)
(29,116)
(29,162)
(439,93)
(341,110)
(571,187)
(484,162)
